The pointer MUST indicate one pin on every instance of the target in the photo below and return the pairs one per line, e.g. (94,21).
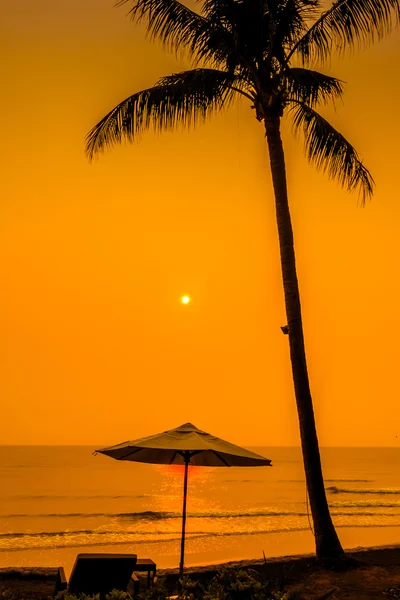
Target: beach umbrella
(183,446)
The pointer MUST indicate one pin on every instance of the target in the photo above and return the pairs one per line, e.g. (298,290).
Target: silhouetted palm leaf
(346,23)
(178,99)
(312,87)
(180,28)
(290,22)
(168,20)
(330,151)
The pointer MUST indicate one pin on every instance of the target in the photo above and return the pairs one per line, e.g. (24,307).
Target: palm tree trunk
(326,539)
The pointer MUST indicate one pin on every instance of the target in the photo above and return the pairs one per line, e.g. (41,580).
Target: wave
(147,514)
(245,481)
(159,516)
(44,534)
(68,533)
(364,504)
(155,516)
(78,497)
(336,490)
(349,480)
(329,480)
(190,536)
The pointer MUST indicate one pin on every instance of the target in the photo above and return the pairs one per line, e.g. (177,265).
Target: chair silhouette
(100,574)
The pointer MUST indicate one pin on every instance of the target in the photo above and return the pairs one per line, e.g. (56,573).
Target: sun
(185,299)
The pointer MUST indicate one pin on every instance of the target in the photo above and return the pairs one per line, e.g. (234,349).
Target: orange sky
(96,347)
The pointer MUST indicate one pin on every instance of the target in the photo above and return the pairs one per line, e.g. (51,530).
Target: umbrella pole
(185,483)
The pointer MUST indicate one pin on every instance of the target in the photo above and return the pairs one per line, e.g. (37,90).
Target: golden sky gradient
(96,346)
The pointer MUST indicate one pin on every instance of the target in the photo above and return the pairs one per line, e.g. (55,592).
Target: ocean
(58,501)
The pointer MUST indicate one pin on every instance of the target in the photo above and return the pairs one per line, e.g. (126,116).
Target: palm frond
(168,20)
(289,18)
(179,99)
(215,46)
(244,24)
(178,27)
(221,11)
(331,152)
(348,23)
(311,87)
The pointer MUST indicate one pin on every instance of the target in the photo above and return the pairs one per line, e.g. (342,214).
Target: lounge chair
(101,573)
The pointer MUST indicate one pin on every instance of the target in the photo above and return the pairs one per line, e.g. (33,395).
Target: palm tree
(262,50)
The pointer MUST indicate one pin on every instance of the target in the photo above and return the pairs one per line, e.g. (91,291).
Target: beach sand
(375,571)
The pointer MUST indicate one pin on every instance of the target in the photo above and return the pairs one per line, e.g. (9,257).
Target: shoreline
(372,571)
(386,552)
(200,553)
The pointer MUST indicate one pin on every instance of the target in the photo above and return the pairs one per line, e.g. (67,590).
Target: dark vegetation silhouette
(264,51)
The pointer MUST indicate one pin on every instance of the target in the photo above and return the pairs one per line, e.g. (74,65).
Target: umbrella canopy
(175,446)
(181,446)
